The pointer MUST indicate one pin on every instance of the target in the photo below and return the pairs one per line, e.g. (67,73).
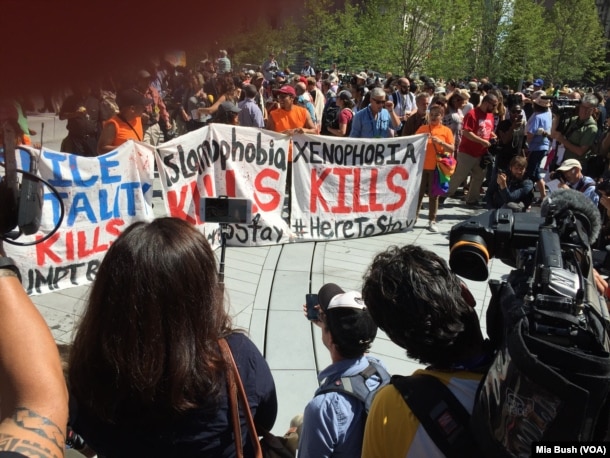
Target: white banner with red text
(341,188)
(350,188)
(224,160)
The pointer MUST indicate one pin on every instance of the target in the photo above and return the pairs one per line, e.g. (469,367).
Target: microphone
(563,200)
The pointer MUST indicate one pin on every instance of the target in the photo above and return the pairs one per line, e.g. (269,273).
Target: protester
(32,385)
(228,93)
(127,124)
(250,114)
(454,116)
(538,131)
(378,120)
(344,119)
(227,113)
(287,117)
(404,100)
(146,373)
(223,63)
(82,111)
(478,130)
(333,422)
(424,308)
(418,119)
(156,120)
(440,142)
(270,66)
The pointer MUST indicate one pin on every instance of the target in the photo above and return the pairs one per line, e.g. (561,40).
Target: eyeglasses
(380,102)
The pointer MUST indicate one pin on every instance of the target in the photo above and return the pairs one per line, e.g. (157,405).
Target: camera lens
(469,257)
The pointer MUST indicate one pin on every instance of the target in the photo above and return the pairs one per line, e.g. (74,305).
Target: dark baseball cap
(130,97)
(229,107)
(347,318)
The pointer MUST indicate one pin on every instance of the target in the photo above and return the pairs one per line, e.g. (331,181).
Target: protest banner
(233,161)
(101,196)
(349,188)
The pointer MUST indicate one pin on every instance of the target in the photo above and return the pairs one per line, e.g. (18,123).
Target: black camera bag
(537,390)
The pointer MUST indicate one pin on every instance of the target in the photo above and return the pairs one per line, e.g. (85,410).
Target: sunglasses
(380,102)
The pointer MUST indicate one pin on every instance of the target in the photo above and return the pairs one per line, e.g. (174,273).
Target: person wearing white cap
(333,421)
(570,176)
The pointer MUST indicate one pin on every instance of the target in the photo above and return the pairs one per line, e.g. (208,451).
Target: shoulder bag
(269,446)
(235,388)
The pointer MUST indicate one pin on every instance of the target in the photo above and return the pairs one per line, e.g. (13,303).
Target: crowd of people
(489,125)
(146,374)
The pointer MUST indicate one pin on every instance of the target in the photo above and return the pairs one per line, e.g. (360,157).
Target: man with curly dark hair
(424,308)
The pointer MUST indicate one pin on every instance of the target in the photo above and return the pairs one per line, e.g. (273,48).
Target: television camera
(552,257)
(564,108)
(549,326)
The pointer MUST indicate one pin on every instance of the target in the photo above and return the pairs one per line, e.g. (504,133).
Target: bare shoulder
(32,435)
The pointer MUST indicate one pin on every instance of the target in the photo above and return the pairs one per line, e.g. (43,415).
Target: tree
(526,51)
(452,48)
(577,42)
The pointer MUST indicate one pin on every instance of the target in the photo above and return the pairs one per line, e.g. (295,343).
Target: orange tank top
(126,131)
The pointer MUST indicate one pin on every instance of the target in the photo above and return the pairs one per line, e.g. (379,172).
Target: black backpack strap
(443,417)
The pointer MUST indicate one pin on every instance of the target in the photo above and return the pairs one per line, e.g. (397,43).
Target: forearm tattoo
(29,420)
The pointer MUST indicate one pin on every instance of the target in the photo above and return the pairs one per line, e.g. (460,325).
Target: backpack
(355,385)
(330,118)
(537,389)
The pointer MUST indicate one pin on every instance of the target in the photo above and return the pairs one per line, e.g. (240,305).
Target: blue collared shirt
(333,423)
(250,114)
(364,125)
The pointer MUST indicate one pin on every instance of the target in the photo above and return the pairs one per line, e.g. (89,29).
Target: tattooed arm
(33,395)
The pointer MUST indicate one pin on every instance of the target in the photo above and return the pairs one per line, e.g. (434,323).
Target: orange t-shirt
(124,132)
(293,119)
(440,131)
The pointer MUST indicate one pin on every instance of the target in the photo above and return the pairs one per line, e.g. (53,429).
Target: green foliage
(577,39)
(507,41)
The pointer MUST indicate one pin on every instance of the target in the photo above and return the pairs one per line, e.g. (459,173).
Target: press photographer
(550,380)
(575,135)
(570,176)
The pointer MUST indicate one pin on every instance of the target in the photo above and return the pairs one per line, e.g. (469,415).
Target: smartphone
(311,300)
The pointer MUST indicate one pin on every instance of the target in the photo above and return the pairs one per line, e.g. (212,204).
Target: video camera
(548,325)
(21,208)
(564,108)
(553,265)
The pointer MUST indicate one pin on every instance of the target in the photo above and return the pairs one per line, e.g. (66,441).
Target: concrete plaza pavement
(266,289)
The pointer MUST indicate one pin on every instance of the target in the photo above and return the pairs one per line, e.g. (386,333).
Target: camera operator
(580,133)
(513,189)
(33,391)
(570,176)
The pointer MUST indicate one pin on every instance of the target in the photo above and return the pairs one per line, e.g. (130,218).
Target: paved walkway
(266,289)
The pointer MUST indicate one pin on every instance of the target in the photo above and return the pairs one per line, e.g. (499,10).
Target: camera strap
(132,128)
